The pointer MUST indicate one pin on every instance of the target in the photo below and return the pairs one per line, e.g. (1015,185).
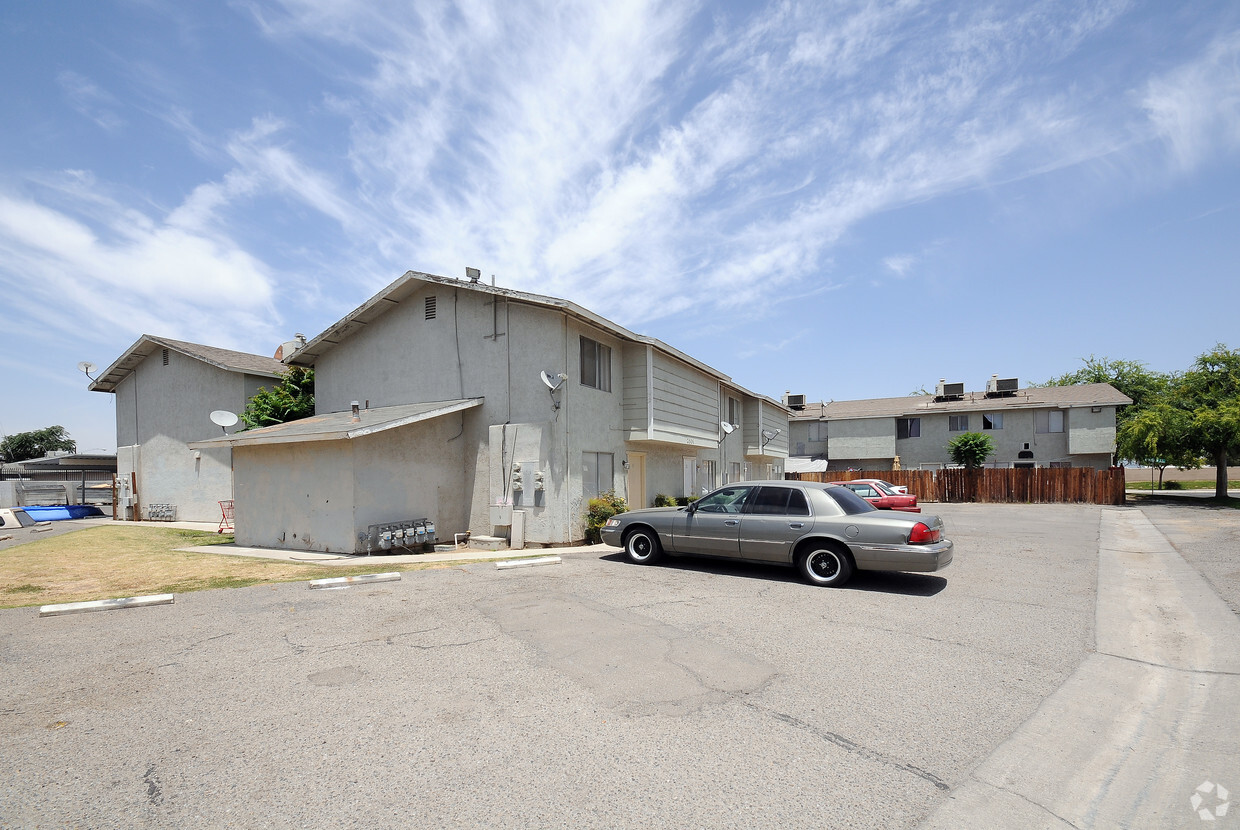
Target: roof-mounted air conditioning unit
(945,391)
(997,386)
(794,401)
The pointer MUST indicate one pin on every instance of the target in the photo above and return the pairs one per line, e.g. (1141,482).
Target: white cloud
(1195,108)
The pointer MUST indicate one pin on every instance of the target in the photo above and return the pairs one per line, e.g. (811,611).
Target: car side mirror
(691,507)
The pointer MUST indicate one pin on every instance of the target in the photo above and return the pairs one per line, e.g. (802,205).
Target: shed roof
(1061,397)
(411,282)
(337,426)
(148,344)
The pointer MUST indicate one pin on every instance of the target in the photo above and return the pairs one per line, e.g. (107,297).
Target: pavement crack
(1169,668)
(1030,801)
(854,747)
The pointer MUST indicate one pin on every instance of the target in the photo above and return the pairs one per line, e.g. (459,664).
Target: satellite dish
(224,418)
(86,367)
(726,427)
(552,383)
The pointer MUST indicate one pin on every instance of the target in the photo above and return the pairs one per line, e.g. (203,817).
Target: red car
(879,494)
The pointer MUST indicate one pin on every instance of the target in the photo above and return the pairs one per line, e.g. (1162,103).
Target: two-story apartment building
(475,403)
(1052,426)
(165,392)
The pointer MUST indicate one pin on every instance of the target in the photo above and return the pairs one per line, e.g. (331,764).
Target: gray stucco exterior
(164,397)
(1039,426)
(639,419)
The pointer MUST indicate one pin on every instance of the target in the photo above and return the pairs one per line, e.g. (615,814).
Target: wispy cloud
(646,158)
(90,101)
(1195,108)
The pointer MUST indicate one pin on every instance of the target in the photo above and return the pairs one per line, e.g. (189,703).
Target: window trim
(600,364)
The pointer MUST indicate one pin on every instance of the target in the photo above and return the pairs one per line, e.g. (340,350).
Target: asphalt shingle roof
(148,344)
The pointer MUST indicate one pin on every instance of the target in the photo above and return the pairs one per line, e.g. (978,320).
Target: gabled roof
(148,344)
(411,282)
(1062,397)
(335,426)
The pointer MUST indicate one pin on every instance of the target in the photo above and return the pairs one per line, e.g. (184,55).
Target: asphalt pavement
(595,693)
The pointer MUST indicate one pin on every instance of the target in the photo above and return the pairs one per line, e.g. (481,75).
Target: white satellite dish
(553,383)
(726,427)
(223,418)
(86,367)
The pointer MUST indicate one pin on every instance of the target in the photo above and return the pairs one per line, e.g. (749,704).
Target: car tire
(825,564)
(642,546)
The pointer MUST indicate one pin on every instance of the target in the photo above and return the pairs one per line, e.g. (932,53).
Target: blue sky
(842,199)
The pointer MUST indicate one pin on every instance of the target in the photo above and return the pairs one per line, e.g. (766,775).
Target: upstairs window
(1048,421)
(992,420)
(595,365)
(958,423)
(734,412)
(908,427)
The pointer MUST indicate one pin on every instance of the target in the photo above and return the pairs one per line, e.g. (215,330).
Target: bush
(599,510)
(1172,485)
(660,500)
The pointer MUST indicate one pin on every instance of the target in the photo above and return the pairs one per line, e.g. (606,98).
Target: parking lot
(590,693)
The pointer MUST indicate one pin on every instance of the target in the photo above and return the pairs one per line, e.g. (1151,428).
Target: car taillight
(921,534)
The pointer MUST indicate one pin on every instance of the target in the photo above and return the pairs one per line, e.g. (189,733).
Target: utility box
(501,515)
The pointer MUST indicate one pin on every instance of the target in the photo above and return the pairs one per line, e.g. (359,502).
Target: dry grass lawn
(115,561)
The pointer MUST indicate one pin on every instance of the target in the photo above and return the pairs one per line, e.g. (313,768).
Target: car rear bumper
(920,558)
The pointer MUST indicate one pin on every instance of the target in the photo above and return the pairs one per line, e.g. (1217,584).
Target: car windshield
(727,500)
(885,488)
(849,501)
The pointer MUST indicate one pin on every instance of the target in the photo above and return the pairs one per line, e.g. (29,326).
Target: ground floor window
(598,471)
(708,476)
(733,474)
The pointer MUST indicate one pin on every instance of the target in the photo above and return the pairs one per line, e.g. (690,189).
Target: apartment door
(637,480)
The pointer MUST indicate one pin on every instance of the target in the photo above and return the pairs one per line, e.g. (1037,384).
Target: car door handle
(731,522)
(796,525)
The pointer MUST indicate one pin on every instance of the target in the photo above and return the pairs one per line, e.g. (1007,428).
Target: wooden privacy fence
(1045,485)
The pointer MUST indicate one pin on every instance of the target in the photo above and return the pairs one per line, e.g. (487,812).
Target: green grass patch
(1183,485)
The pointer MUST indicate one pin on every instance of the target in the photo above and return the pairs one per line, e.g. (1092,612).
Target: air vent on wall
(430,307)
(165,357)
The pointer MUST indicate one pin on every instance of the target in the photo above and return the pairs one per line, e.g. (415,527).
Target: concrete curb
(1141,724)
(342,581)
(527,563)
(105,605)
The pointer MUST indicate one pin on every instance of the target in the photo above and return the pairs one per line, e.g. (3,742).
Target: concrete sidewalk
(1145,723)
(341,559)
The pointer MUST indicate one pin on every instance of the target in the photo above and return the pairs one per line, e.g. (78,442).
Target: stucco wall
(862,438)
(296,496)
(161,408)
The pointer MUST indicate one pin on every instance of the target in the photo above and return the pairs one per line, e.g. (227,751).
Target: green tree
(1159,435)
(292,399)
(971,449)
(36,444)
(1210,392)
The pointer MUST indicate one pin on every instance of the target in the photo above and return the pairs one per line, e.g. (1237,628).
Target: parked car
(881,496)
(824,530)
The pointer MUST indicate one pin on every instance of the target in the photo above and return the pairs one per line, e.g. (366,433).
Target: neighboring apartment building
(1052,426)
(165,392)
(491,411)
